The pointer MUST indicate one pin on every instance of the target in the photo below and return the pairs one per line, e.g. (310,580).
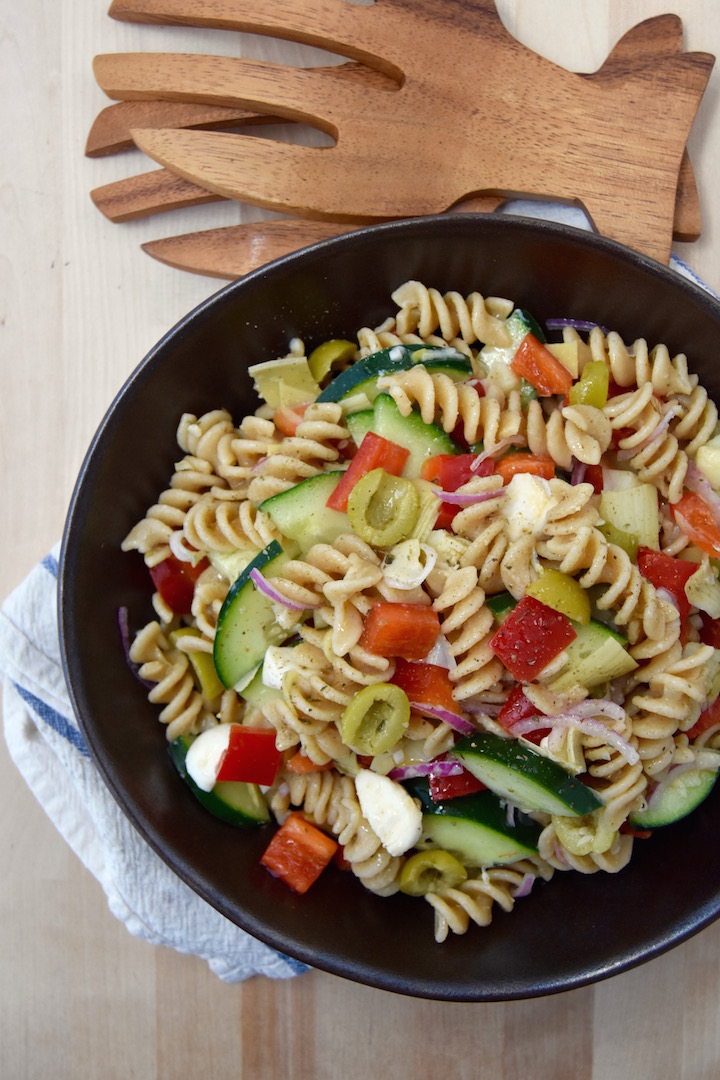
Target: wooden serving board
(459,109)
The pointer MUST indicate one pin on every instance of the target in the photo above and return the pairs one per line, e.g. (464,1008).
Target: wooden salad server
(467,110)
(231,251)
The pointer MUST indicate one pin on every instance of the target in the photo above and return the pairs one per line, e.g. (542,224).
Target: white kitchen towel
(48,749)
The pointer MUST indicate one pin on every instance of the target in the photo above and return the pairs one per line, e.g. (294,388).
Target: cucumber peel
(236,802)
(475,828)
(524,777)
(246,623)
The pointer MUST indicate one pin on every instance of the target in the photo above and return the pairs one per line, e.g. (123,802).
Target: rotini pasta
(389,629)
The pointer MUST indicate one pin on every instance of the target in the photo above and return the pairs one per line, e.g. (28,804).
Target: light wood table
(80,304)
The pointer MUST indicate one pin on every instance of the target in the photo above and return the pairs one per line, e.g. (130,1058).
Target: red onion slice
(525,886)
(468,498)
(426,768)
(457,723)
(266,587)
(578,471)
(576,324)
(514,440)
(124,628)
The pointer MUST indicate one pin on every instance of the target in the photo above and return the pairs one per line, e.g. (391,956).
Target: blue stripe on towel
(54,719)
(51,565)
(295,965)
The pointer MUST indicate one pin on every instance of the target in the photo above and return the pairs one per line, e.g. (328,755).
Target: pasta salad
(444,612)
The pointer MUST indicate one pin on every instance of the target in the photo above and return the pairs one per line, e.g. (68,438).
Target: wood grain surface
(80,304)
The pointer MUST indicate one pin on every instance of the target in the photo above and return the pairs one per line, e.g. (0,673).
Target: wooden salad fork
(466,110)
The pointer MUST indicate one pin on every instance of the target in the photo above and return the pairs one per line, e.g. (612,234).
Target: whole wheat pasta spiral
(468,625)
(473,899)
(639,365)
(227,523)
(697,419)
(385,336)
(443,399)
(472,318)
(573,431)
(651,448)
(193,478)
(329,799)
(184,710)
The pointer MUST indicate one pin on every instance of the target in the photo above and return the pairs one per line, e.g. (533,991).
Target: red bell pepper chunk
(451,471)
(175,581)
(446,515)
(594,476)
(530,637)
(406,630)
(666,572)
(709,631)
(519,707)
(536,464)
(698,522)
(289,417)
(450,787)
(534,362)
(425,684)
(298,852)
(374,452)
(251,756)
(707,719)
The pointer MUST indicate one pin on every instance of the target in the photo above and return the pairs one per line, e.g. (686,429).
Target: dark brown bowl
(570,932)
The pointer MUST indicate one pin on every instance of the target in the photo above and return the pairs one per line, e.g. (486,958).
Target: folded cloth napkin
(48,749)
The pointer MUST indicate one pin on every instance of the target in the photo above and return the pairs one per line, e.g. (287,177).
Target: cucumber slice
(475,828)
(301,512)
(256,693)
(501,605)
(238,803)
(369,369)
(523,777)
(455,369)
(386,362)
(422,440)
(596,655)
(677,796)
(359,423)
(246,623)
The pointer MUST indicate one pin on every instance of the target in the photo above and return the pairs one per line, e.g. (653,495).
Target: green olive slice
(382,508)
(375,719)
(584,835)
(322,358)
(431,871)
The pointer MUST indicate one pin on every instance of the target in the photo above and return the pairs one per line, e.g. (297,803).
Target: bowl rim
(366,974)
